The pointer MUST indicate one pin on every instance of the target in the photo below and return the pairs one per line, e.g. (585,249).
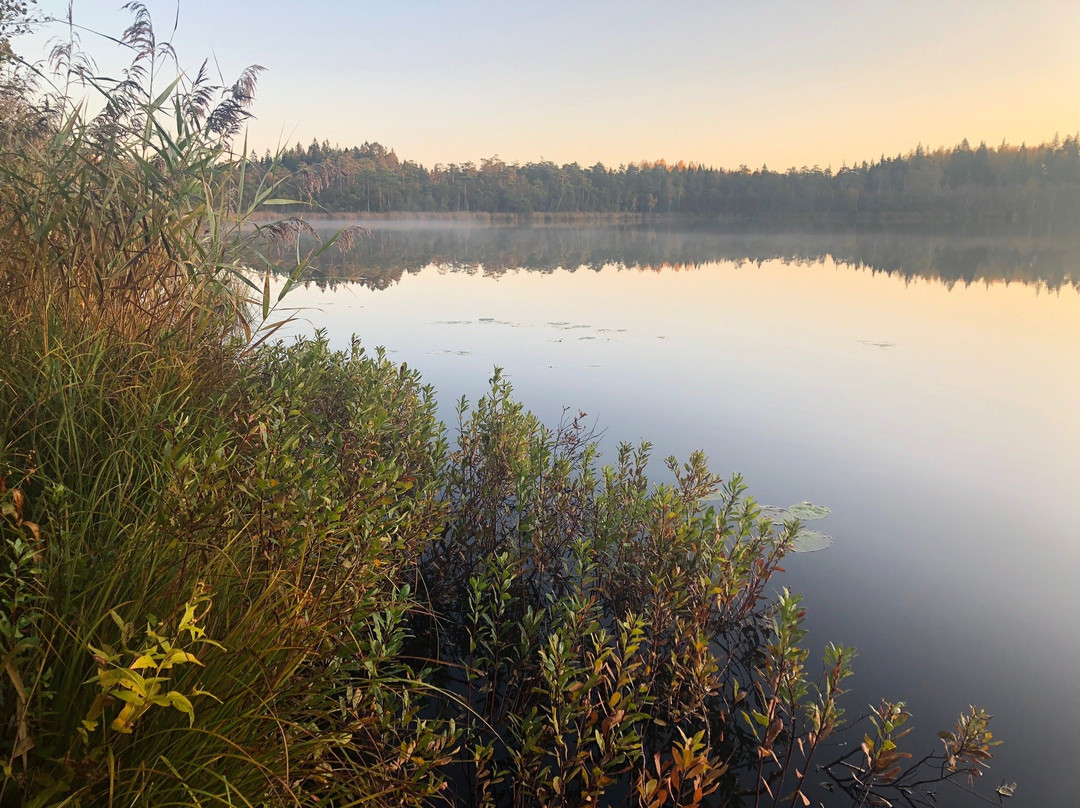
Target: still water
(925,389)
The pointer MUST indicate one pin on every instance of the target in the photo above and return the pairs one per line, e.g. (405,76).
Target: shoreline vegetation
(1025,190)
(238,572)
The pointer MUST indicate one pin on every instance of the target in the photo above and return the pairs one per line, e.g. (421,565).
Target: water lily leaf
(807,511)
(810,541)
(775,514)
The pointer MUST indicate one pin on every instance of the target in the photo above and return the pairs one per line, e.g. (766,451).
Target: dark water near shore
(925,388)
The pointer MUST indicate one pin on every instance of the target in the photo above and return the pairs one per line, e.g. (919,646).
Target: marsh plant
(610,641)
(234,572)
(202,533)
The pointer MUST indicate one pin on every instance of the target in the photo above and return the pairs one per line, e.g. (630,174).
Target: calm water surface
(935,412)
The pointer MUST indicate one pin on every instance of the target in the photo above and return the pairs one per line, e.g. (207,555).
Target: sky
(783,83)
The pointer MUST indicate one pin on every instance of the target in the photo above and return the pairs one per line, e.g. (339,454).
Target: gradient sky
(777,82)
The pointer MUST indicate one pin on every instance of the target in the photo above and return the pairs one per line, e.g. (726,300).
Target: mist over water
(923,387)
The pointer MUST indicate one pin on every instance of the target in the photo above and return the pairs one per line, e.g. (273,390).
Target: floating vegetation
(444,352)
(481,321)
(877,344)
(810,541)
(805,540)
(808,511)
(775,514)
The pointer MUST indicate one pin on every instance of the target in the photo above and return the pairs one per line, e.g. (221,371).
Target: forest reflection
(380,257)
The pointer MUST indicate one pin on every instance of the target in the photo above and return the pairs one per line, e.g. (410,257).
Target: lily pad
(775,515)
(810,541)
(808,511)
(564,326)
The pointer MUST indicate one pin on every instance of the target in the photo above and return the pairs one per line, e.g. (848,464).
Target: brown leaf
(18,500)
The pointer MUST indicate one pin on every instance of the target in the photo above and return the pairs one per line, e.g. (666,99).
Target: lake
(923,387)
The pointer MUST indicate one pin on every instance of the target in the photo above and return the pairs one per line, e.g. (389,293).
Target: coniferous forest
(1035,190)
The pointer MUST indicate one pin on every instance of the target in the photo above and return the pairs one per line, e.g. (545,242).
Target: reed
(203,535)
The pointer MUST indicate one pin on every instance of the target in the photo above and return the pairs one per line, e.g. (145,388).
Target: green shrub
(608,641)
(595,622)
(267,532)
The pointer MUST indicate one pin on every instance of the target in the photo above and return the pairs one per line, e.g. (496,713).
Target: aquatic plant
(605,640)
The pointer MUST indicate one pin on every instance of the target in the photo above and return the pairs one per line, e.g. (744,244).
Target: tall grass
(202,544)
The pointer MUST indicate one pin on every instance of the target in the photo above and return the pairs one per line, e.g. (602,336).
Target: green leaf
(145,661)
(178,656)
(810,541)
(266,295)
(807,511)
(181,703)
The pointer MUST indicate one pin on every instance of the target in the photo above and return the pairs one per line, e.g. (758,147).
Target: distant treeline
(392,250)
(1034,190)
